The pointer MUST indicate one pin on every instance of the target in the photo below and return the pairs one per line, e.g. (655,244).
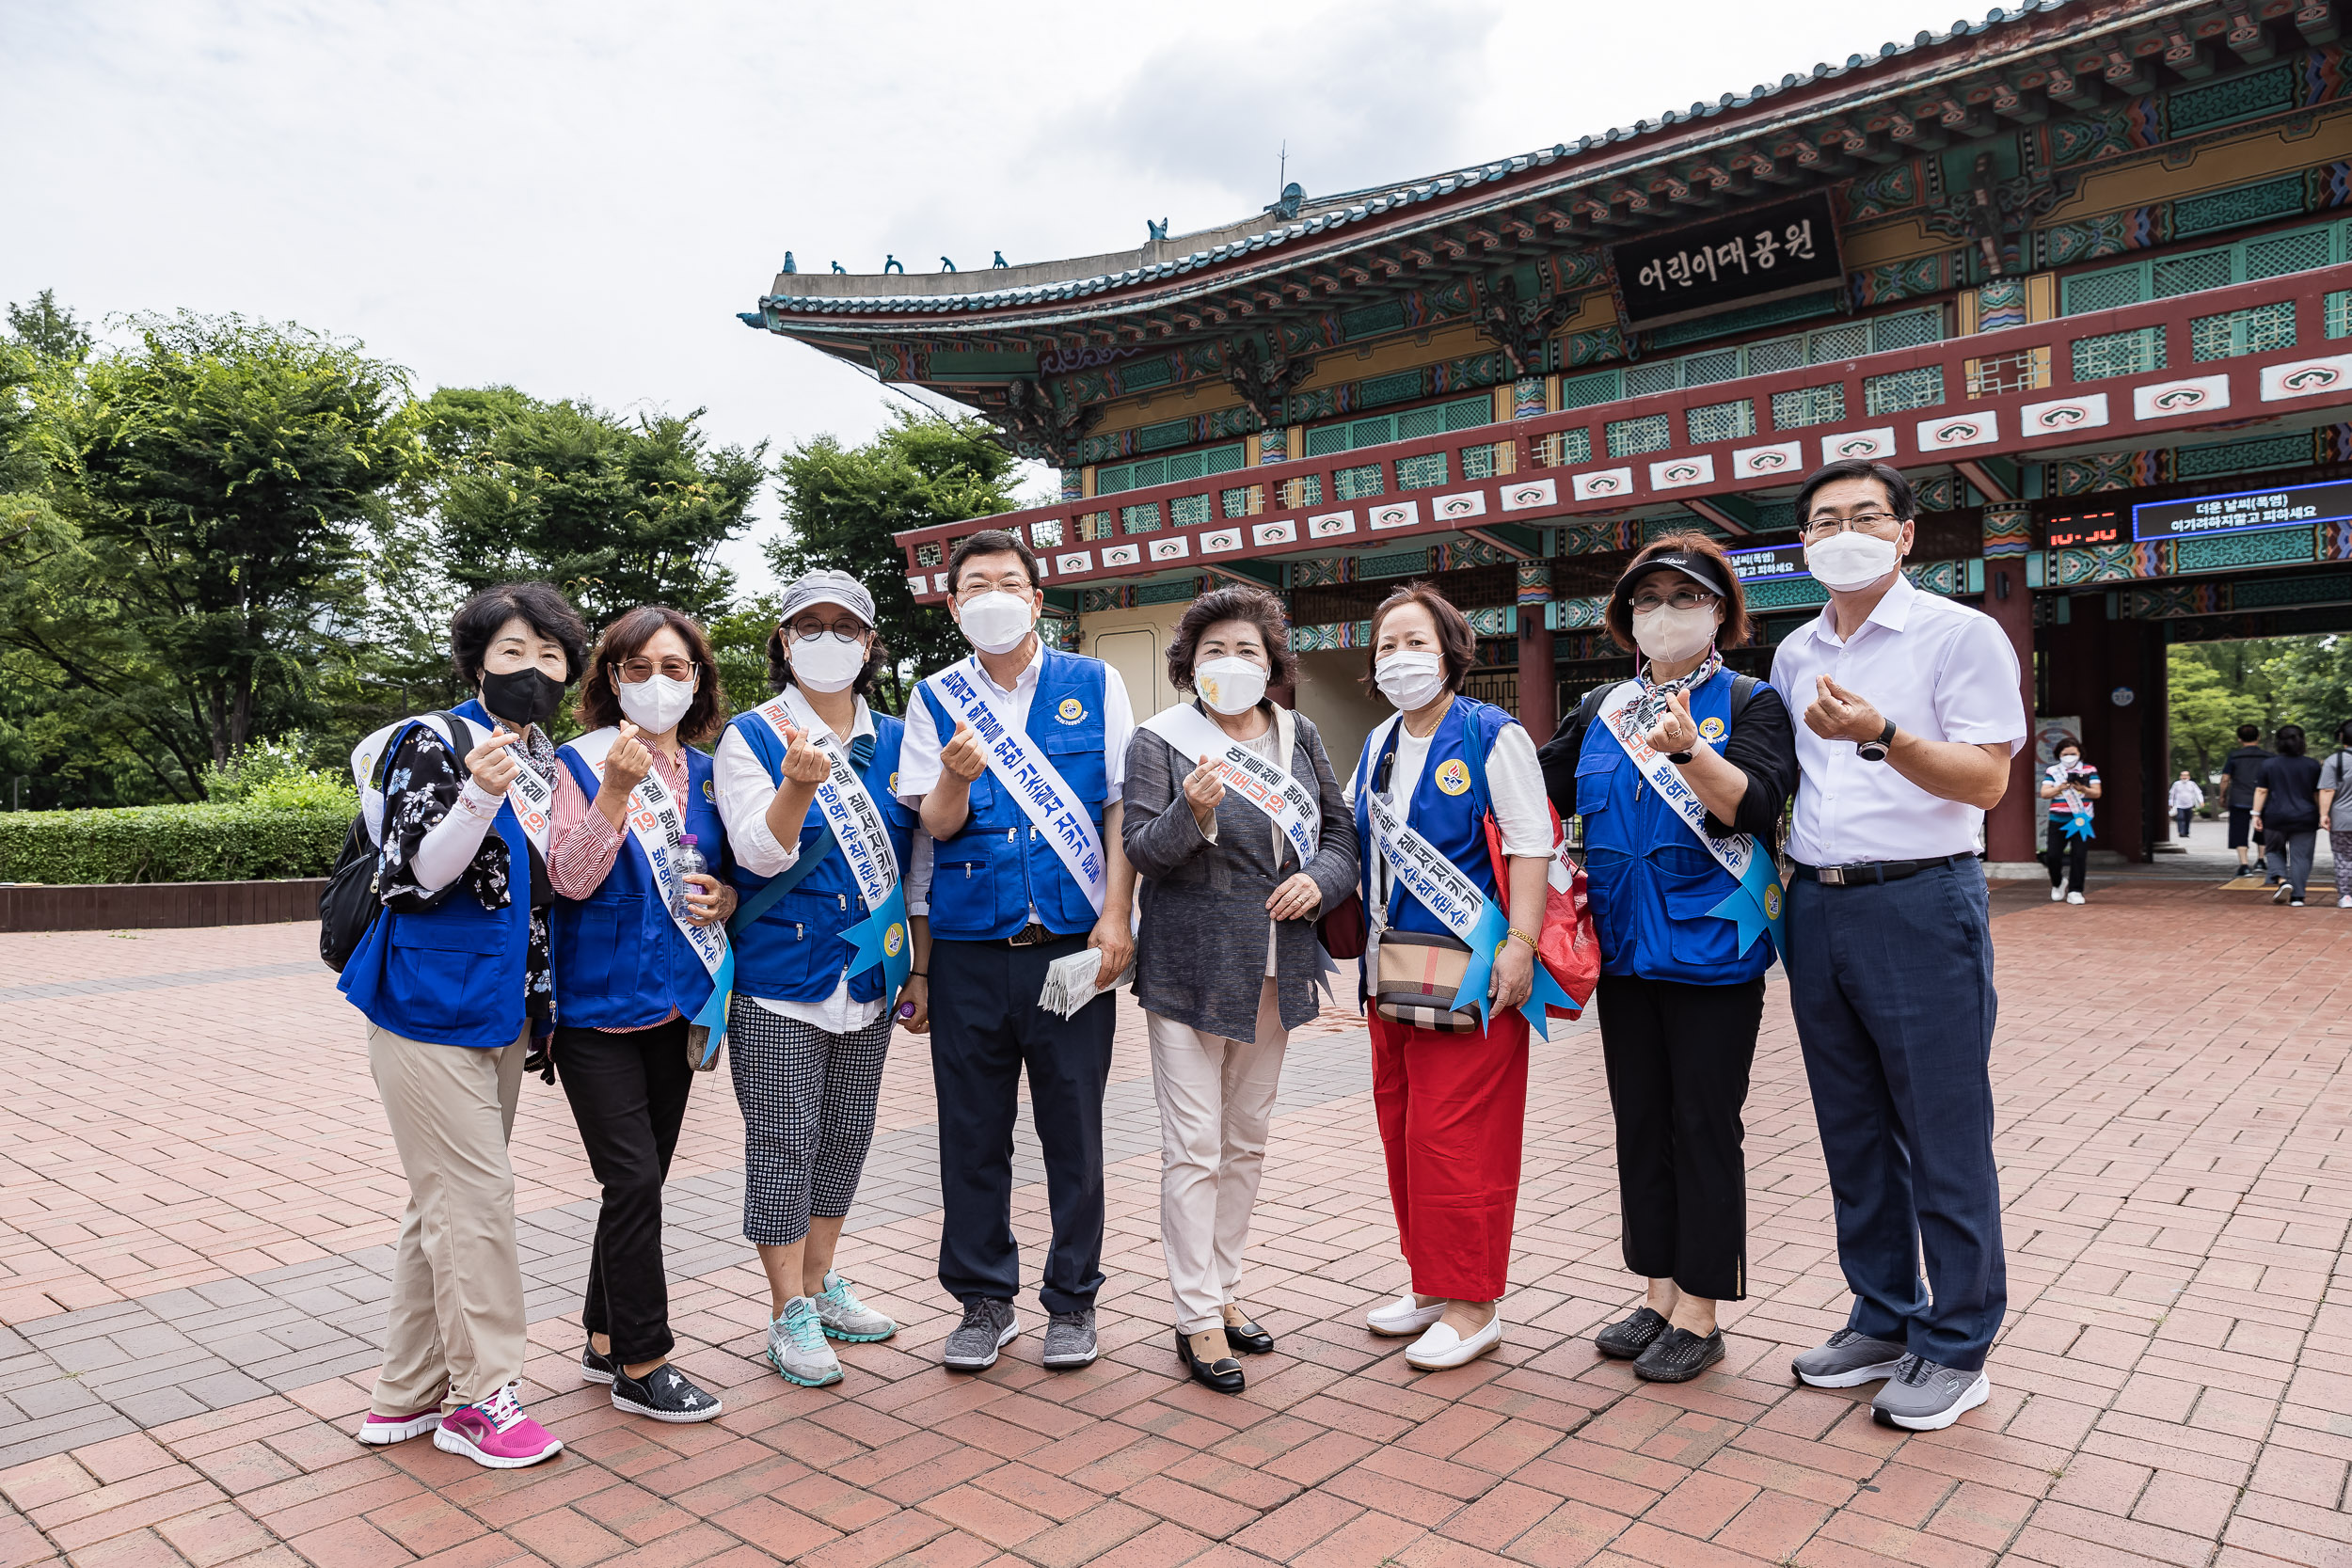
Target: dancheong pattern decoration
(2129,126)
(1947,578)
(1921,275)
(1587,348)
(2008,532)
(1595,537)
(2107,471)
(1573,270)
(1897,188)
(2167,601)
(1534,586)
(1459,554)
(2078,568)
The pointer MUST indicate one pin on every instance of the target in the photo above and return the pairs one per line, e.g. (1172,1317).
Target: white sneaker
(2345,902)
(2057,892)
(2073,897)
(1402,1316)
(1441,1347)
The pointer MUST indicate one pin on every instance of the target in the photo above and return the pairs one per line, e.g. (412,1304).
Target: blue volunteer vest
(1447,807)
(794,952)
(987,879)
(620,960)
(454,974)
(1652,882)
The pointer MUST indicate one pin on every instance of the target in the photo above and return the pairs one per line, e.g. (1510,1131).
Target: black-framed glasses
(808,629)
(636,672)
(1868,522)
(1681,598)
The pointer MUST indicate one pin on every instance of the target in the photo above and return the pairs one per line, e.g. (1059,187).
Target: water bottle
(690,863)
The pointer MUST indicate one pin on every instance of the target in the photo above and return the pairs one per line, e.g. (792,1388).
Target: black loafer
(1249,1338)
(1224,1374)
(597,1369)
(1629,1338)
(666,1394)
(1679,1355)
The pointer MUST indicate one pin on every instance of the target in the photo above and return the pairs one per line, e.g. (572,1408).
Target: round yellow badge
(1071,711)
(1710,728)
(1453,776)
(1772,902)
(709,792)
(894,781)
(894,938)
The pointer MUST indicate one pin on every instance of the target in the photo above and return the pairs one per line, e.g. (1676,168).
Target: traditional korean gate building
(2084,270)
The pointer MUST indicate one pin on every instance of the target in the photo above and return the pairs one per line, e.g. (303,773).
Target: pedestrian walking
(2335,809)
(1912,709)
(2185,799)
(1234,823)
(1681,988)
(2286,815)
(1016,757)
(2241,771)
(2069,784)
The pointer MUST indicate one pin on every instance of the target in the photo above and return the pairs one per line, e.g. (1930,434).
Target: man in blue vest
(1022,800)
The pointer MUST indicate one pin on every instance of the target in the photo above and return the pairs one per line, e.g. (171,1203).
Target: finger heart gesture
(1676,731)
(803,762)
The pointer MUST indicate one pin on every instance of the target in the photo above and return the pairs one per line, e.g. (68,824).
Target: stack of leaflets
(1069,981)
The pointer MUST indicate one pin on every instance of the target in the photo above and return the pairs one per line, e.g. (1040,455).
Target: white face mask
(824,662)
(1409,679)
(655,704)
(1230,685)
(995,622)
(1846,560)
(1669,636)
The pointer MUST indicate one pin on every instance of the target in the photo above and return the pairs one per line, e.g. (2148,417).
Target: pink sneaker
(495,1433)
(398,1429)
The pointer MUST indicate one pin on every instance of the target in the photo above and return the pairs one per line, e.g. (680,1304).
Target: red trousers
(1453,1109)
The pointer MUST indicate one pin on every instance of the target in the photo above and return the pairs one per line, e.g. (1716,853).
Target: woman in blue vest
(455,980)
(1681,986)
(807,1036)
(1452,1101)
(630,978)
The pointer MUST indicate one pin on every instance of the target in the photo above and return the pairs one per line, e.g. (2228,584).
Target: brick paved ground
(196,1194)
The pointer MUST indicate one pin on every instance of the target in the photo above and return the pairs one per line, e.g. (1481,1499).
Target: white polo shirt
(1942,672)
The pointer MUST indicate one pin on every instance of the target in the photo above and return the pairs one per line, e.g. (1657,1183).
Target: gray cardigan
(1200,952)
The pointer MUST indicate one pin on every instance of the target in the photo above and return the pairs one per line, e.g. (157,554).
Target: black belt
(1863,872)
(1030,936)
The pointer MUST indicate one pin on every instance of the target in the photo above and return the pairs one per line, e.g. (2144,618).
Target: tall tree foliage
(842,504)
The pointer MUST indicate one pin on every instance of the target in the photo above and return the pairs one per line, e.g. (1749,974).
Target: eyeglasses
(1014,583)
(1868,522)
(636,672)
(808,629)
(1681,598)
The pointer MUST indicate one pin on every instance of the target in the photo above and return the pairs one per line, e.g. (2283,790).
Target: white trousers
(1216,1097)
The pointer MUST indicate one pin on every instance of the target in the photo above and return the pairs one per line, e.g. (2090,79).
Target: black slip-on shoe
(597,1369)
(1679,1355)
(1628,1338)
(1247,1338)
(666,1394)
(1223,1375)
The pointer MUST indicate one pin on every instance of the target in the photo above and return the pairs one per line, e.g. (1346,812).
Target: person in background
(2069,784)
(807,1038)
(1914,709)
(455,980)
(629,977)
(1452,1105)
(1007,901)
(1215,868)
(2335,809)
(2241,771)
(1680,996)
(2185,799)
(2286,815)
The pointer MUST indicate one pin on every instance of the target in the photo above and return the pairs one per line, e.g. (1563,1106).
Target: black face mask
(527,696)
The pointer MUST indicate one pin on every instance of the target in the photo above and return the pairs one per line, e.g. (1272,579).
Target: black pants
(986,1029)
(2069,859)
(628,1097)
(1677,1057)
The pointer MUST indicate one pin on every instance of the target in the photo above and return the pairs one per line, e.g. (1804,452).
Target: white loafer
(1402,1316)
(1441,1347)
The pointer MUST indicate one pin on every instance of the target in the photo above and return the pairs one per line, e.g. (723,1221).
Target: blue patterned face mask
(1651,706)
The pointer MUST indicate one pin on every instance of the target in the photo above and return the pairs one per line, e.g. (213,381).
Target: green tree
(842,504)
(48,329)
(2206,713)
(617,513)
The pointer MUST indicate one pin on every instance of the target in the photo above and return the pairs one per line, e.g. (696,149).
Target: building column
(1539,681)
(2008,846)
(1274,444)
(1074,484)
(1527,397)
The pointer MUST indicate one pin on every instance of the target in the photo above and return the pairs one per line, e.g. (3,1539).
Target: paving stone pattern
(196,1194)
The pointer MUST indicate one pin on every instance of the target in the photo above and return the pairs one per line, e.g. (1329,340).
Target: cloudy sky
(576,197)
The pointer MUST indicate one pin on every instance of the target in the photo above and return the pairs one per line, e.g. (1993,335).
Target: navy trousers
(1892,988)
(987,1029)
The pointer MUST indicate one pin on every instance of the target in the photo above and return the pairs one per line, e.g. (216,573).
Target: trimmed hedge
(170,844)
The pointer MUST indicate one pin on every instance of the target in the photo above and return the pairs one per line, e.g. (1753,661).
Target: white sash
(850,810)
(1735,853)
(1245,770)
(1415,865)
(657,823)
(531,796)
(1035,784)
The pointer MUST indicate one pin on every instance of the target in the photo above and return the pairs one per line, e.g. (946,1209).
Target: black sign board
(2289,506)
(1743,258)
(1772,563)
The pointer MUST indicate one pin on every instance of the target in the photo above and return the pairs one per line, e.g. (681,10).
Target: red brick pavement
(2171,1387)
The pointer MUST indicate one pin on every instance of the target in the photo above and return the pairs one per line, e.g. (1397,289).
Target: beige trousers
(457,1328)
(1216,1097)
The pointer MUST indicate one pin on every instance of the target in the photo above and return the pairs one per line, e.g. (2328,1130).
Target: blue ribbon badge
(1757,905)
(1486,940)
(2077,824)
(713,1016)
(884,938)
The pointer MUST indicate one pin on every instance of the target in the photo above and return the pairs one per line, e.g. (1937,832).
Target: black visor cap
(1702,569)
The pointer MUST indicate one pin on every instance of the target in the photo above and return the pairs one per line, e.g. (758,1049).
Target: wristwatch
(1679,757)
(1875,751)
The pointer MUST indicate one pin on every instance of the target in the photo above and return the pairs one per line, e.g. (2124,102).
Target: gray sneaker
(845,1317)
(989,1325)
(1069,1338)
(796,1348)
(1924,1397)
(1849,1359)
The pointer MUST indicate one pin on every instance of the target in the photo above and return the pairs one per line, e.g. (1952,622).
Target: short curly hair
(541,605)
(1233,602)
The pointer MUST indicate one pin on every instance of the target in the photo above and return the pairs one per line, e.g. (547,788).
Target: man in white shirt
(1913,708)
(1016,757)
(2185,800)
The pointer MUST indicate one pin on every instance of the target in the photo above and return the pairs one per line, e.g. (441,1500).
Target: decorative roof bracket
(1030,419)
(1522,332)
(1265,384)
